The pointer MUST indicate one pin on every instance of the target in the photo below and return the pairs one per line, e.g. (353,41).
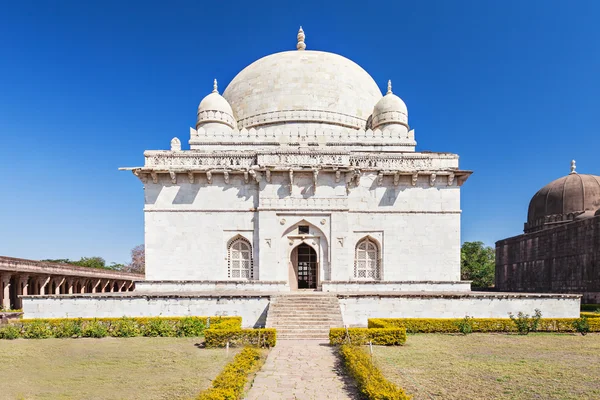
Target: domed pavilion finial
(573,167)
(389,87)
(215,87)
(301,45)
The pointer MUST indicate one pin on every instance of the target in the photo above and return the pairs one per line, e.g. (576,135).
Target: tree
(477,264)
(138,260)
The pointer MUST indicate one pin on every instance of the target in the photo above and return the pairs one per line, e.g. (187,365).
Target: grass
(109,368)
(495,366)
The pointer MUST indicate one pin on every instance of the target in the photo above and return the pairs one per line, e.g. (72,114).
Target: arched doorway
(305,261)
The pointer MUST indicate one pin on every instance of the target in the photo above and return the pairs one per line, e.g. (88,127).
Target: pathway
(301,369)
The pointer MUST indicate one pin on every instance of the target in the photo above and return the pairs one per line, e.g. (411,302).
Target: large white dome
(302,86)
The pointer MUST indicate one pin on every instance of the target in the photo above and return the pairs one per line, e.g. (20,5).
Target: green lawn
(109,368)
(495,366)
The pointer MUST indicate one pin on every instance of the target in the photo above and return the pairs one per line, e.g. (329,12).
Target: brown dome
(563,200)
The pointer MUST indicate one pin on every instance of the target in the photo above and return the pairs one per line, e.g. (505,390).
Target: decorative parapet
(259,164)
(310,135)
(196,160)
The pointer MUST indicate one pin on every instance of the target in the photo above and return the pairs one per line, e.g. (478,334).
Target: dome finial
(301,45)
(215,87)
(573,167)
(389,87)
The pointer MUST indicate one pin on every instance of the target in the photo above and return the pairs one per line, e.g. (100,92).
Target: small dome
(389,110)
(571,197)
(215,109)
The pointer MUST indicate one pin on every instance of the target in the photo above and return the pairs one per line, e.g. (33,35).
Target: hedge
(361,336)
(240,337)
(370,382)
(590,314)
(230,383)
(450,325)
(590,307)
(115,327)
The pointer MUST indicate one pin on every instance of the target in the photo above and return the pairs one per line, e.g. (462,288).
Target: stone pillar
(5,286)
(96,286)
(44,281)
(122,286)
(59,282)
(82,285)
(104,286)
(70,285)
(22,289)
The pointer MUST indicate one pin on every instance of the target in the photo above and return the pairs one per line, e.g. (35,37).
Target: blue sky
(86,87)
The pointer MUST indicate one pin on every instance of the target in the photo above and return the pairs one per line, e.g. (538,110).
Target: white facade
(302,150)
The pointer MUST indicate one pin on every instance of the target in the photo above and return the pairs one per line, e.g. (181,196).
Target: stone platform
(253,307)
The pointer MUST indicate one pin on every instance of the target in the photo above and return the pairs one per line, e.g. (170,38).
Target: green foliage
(9,332)
(38,329)
(125,327)
(191,327)
(159,327)
(478,264)
(450,325)
(371,383)
(361,336)
(525,323)
(465,326)
(67,328)
(224,322)
(230,383)
(240,337)
(589,314)
(582,325)
(94,329)
(122,327)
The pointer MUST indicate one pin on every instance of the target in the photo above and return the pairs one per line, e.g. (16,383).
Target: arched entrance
(305,261)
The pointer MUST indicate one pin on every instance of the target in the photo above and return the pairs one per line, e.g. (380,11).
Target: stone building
(301,188)
(19,277)
(302,175)
(559,251)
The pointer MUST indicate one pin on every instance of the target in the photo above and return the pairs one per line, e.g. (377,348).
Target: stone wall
(564,259)
(252,309)
(357,309)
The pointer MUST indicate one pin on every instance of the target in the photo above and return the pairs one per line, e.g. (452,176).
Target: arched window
(239,259)
(366,260)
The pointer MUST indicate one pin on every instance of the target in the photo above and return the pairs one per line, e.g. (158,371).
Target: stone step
(302,327)
(298,336)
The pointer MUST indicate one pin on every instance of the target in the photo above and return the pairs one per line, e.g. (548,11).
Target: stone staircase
(304,315)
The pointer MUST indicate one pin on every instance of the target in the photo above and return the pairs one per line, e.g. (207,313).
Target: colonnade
(13,285)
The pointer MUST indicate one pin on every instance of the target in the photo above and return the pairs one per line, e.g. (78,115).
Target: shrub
(223,323)
(67,328)
(10,332)
(590,314)
(94,329)
(38,329)
(240,337)
(230,383)
(125,327)
(448,325)
(525,323)
(369,380)
(158,327)
(581,325)
(464,325)
(361,336)
(190,327)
